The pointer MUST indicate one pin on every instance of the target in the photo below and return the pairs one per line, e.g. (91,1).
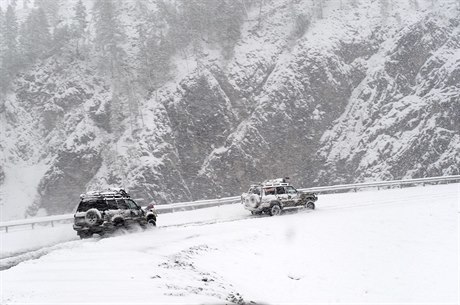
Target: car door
(293,195)
(124,209)
(136,211)
(282,195)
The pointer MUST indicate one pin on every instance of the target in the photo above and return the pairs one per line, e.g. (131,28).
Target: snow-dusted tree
(301,24)
(154,55)
(109,36)
(2,32)
(177,31)
(62,36)
(318,8)
(80,17)
(414,4)
(195,15)
(229,16)
(261,6)
(2,22)
(210,21)
(51,9)
(355,3)
(80,24)
(26,4)
(11,58)
(385,8)
(35,37)
(3,72)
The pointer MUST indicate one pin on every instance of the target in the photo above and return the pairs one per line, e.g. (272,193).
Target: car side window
(270,191)
(291,190)
(100,205)
(85,205)
(255,190)
(112,204)
(132,204)
(280,190)
(122,204)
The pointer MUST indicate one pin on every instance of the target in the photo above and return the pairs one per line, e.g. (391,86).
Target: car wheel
(152,221)
(310,205)
(275,210)
(118,221)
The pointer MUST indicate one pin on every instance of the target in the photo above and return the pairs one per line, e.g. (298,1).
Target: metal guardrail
(379,184)
(192,205)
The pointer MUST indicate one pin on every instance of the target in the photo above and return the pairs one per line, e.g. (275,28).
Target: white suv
(272,196)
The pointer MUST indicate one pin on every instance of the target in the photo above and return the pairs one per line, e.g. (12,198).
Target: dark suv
(103,212)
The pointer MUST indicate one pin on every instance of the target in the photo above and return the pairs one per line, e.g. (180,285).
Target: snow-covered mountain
(321,91)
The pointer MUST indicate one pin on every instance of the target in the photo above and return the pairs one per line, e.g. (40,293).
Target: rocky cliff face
(354,96)
(403,119)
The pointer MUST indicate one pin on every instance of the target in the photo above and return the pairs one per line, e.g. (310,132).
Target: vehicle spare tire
(92,217)
(252,201)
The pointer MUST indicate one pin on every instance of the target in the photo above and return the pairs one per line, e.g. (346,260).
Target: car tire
(152,221)
(275,210)
(310,205)
(92,217)
(118,221)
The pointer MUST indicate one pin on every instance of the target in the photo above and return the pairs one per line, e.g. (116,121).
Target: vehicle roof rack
(276,182)
(109,193)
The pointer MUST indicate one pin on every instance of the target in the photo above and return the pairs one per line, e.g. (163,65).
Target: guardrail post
(52,224)
(6,229)
(33,225)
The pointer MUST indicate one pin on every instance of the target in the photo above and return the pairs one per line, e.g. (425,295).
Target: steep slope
(371,68)
(403,119)
(355,91)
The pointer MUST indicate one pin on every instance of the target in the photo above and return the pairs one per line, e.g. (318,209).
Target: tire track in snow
(14,260)
(195,280)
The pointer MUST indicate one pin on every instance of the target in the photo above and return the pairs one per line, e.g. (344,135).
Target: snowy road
(392,246)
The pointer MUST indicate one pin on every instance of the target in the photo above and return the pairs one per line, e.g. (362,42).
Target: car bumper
(95,229)
(261,207)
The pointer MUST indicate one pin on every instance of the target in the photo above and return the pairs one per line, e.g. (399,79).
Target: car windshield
(132,204)
(122,204)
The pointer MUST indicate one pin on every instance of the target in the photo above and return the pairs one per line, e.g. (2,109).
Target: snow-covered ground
(388,246)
